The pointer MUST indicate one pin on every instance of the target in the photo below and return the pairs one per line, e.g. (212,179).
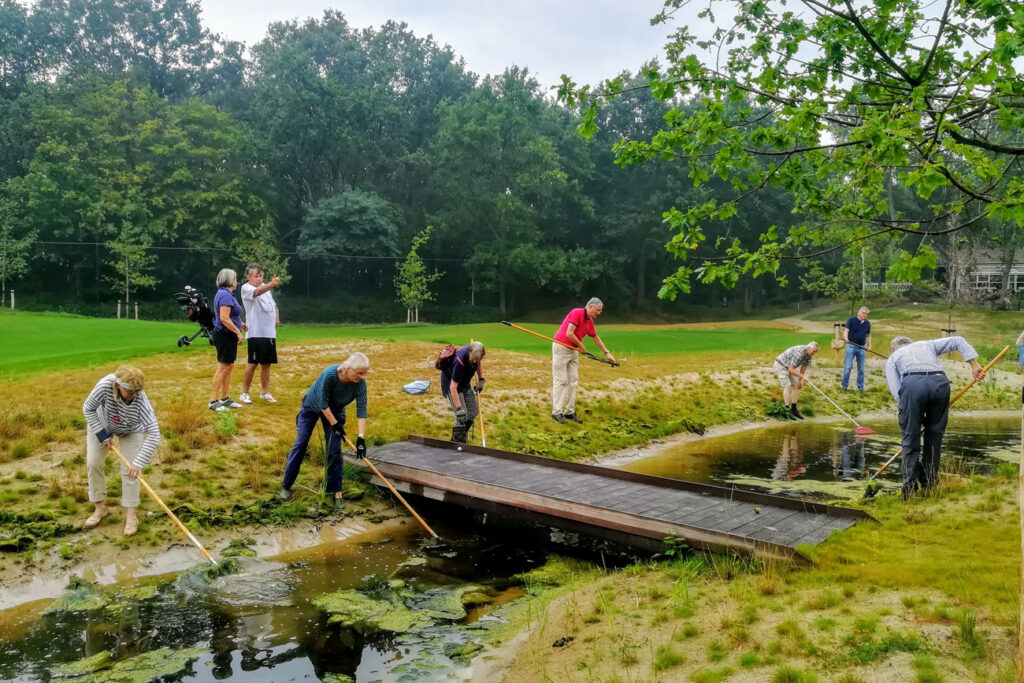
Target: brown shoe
(94,519)
(131,525)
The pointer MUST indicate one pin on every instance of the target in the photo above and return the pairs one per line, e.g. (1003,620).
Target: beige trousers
(95,460)
(565,377)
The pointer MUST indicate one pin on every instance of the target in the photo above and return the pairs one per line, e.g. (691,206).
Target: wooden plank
(719,491)
(700,538)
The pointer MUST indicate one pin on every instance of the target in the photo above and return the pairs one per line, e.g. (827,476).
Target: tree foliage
(413,281)
(826,100)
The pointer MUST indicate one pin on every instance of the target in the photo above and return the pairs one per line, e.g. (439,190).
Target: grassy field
(43,343)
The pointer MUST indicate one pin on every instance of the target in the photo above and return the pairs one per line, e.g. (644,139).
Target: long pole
(393,490)
(952,401)
(568,346)
(881,355)
(860,429)
(174,517)
(480,412)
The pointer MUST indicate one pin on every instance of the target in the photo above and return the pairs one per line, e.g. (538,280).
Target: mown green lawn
(43,343)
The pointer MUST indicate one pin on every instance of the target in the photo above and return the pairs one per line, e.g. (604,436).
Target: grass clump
(667,657)
(788,674)
(867,650)
(225,425)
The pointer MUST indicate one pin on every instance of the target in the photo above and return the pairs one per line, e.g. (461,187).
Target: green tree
(14,246)
(412,283)
(826,104)
(353,222)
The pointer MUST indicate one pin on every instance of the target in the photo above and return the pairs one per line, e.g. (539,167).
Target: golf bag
(192,302)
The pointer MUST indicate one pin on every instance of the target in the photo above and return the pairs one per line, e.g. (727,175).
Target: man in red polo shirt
(565,361)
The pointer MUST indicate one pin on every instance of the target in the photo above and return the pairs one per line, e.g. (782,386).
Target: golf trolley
(192,302)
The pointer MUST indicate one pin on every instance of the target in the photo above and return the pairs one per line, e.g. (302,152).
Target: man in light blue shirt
(919,384)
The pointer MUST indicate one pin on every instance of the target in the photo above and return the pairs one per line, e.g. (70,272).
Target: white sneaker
(268,398)
(244,398)
(230,403)
(218,406)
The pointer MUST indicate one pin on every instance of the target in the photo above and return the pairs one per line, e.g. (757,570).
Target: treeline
(138,152)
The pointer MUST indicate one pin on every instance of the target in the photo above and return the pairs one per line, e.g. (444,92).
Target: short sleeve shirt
(795,356)
(583,322)
(859,330)
(223,297)
(461,372)
(260,313)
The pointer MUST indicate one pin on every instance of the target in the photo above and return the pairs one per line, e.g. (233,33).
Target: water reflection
(825,452)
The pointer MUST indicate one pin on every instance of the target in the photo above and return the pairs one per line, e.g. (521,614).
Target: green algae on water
(82,596)
(100,660)
(240,547)
(143,668)
(353,609)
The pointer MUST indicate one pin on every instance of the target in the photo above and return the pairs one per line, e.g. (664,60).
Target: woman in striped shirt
(117,406)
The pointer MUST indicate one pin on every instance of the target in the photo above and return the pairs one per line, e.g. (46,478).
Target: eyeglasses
(130,392)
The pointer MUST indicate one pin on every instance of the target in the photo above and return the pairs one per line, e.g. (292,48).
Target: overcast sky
(587,39)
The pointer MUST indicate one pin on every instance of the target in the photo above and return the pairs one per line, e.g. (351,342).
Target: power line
(302,254)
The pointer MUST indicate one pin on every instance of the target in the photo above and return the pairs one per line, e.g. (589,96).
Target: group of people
(260,327)
(916,380)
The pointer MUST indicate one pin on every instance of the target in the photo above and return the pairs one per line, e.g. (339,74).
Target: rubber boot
(796,412)
(459,433)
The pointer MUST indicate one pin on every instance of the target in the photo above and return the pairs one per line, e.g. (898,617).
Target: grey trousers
(924,411)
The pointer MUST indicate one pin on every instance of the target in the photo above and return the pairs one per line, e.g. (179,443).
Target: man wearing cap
(565,361)
(919,384)
(118,406)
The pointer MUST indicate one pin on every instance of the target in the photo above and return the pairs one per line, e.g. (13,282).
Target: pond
(263,622)
(260,623)
(826,459)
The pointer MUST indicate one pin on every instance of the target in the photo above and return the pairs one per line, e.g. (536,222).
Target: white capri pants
(95,459)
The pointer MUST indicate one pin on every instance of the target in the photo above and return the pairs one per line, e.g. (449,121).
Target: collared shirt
(1020,339)
(260,313)
(858,330)
(583,322)
(922,356)
(795,356)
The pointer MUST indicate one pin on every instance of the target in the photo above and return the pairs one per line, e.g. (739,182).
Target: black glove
(339,430)
(460,415)
(480,385)
(361,447)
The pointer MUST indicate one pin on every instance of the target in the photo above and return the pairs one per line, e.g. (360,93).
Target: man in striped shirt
(118,406)
(790,368)
(919,384)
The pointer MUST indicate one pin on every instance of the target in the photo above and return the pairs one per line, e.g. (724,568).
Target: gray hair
(227,277)
(253,268)
(357,361)
(865,309)
(900,341)
(476,352)
(594,301)
(813,345)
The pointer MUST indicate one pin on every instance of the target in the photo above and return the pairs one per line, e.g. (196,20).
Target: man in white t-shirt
(261,338)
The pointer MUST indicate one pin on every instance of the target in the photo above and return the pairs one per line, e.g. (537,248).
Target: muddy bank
(46,574)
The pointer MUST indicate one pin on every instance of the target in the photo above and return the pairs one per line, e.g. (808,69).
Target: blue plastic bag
(420,386)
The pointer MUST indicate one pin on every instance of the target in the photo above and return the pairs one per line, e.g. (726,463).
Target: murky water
(259,624)
(826,452)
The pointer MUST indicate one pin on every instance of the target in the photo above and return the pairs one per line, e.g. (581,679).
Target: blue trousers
(861,356)
(924,411)
(305,423)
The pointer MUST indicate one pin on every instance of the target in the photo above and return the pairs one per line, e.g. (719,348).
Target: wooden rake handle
(960,393)
(393,490)
(174,517)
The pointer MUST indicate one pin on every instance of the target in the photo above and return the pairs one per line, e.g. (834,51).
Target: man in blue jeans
(336,387)
(857,332)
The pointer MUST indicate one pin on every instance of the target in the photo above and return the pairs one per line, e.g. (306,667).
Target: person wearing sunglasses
(117,407)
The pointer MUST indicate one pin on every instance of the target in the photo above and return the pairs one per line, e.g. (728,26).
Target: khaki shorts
(785,379)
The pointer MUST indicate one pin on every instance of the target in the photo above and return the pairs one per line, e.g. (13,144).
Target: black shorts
(262,350)
(226,342)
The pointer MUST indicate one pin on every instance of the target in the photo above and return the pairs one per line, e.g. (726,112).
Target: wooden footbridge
(627,507)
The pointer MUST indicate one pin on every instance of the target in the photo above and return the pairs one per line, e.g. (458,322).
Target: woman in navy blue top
(455,386)
(227,335)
